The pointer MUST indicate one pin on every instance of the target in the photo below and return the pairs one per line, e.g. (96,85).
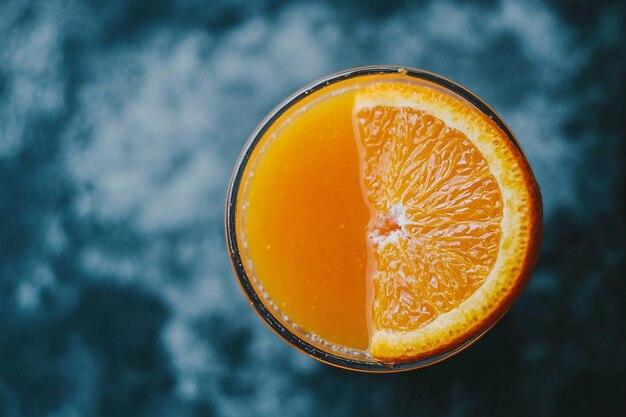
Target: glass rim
(255,300)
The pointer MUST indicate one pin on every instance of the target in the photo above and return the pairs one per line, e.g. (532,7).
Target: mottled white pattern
(120,123)
(168,115)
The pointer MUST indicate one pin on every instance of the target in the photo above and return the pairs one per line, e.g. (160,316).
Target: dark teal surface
(120,123)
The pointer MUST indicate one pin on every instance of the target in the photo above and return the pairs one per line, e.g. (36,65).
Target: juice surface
(304,221)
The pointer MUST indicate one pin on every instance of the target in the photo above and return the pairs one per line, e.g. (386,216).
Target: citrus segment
(453,218)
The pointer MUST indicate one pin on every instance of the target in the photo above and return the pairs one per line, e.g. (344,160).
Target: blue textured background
(120,122)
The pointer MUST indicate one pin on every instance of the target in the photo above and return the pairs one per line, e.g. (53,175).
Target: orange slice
(455,219)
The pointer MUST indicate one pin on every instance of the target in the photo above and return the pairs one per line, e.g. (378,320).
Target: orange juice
(304,222)
(383,219)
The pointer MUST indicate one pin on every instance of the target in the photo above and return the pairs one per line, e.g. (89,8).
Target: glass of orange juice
(382,219)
